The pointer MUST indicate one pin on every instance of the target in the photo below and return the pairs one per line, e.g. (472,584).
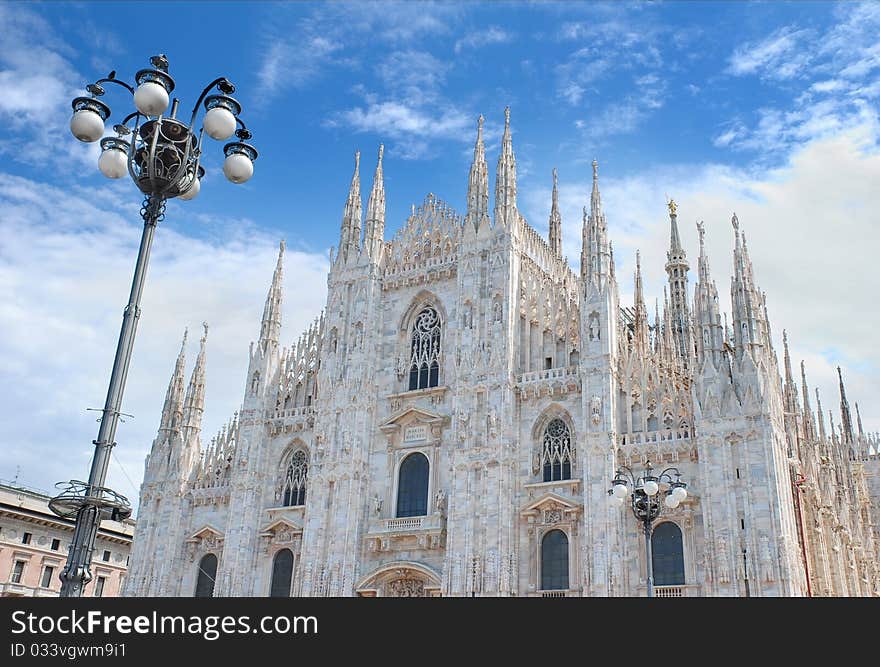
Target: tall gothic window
(667,555)
(412,486)
(556,451)
(282,574)
(554,561)
(293,488)
(207,575)
(424,365)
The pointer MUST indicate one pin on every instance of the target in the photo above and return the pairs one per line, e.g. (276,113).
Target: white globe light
(671,501)
(651,487)
(219,123)
(620,491)
(86,125)
(238,168)
(151,98)
(192,191)
(680,493)
(113,163)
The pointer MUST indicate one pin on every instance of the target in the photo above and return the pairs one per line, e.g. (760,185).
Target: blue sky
(768,109)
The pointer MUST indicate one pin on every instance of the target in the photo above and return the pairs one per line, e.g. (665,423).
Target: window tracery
(424,368)
(556,451)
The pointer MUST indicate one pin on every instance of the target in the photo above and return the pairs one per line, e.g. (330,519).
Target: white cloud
(66,260)
(812,234)
(784,54)
(481,38)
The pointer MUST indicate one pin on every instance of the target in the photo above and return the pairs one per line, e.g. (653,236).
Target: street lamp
(647,499)
(161,154)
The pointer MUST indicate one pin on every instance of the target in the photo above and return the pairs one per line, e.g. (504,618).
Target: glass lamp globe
(680,493)
(151,98)
(192,191)
(219,123)
(651,487)
(86,125)
(238,168)
(113,163)
(671,501)
(620,491)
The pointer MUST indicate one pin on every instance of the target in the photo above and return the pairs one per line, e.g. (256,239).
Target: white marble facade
(520,361)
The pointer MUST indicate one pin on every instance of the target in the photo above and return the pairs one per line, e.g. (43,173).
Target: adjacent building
(34,542)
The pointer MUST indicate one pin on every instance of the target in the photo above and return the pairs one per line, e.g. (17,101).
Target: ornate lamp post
(646,499)
(161,154)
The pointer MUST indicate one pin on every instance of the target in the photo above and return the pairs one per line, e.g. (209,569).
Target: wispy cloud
(481,38)
(624,116)
(784,54)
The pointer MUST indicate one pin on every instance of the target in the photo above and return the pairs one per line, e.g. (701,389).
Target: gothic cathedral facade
(451,422)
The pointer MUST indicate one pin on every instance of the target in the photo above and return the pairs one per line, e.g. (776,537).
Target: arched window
(667,555)
(207,575)
(293,487)
(412,486)
(556,453)
(424,365)
(554,561)
(282,574)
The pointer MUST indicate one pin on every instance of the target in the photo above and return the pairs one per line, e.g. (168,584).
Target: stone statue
(440,501)
(377,504)
(672,207)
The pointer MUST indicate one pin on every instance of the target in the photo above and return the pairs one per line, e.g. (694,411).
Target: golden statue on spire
(672,207)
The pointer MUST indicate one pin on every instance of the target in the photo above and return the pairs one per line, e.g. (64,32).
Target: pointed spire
(505,179)
(707,317)
(640,313)
(674,240)
(846,416)
(270,328)
(859,420)
(555,235)
(790,389)
(478,183)
(597,258)
(350,233)
(194,405)
(809,423)
(821,416)
(374,232)
(748,320)
(172,410)
(677,270)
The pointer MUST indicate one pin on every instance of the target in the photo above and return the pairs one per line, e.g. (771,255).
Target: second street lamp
(647,500)
(162,155)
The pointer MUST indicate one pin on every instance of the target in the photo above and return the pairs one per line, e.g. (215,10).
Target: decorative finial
(638,261)
(281,247)
(381,151)
(735,222)
(701,230)
(595,169)
(480,123)
(672,207)
(205,335)
(506,116)
(555,178)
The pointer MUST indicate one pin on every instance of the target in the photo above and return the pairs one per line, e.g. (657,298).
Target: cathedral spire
(809,423)
(677,270)
(748,324)
(790,397)
(707,316)
(172,409)
(859,420)
(555,219)
(845,415)
(270,329)
(478,183)
(505,179)
(597,260)
(350,233)
(194,404)
(820,415)
(374,232)
(640,313)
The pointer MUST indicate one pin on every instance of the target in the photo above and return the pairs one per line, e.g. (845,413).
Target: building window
(282,574)
(554,561)
(412,486)
(17,572)
(46,581)
(424,365)
(26,538)
(106,556)
(56,544)
(99,586)
(207,574)
(556,452)
(293,487)
(667,555)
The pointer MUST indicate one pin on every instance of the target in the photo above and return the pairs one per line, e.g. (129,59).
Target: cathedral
(451,423)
